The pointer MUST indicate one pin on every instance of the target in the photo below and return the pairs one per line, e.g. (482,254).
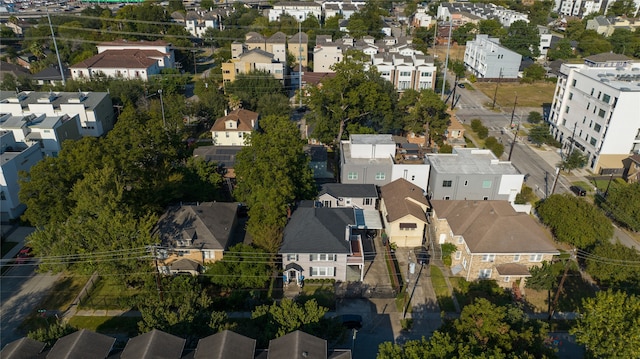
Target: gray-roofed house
(51,75)
(224,156)
(81,345)
(403,206)
(493,241)
(472,174)
(319,243)
(185,266)
(297,345)
(155,344)
(318,161)
(225,344)
(22,348)
(200,232)
(363,196)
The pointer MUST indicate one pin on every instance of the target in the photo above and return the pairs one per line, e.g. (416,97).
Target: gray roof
(224,155)
(185,264)
(52,73)
(155,344)
(607,56)
(297,345)
(371,139)
(277,38)
(318,230)
(470,161)
(22,349)
(349,190)
(226,344)
(210,224)
(317,153)
(89,99)
(81,345)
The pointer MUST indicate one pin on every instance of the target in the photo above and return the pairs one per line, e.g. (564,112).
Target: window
(488,257)
(460,240)
(599,93)
(566,110)
(597,127)
(593,141)
(486,184)
(606,98)
(380,176)
(3,196)
(322,257)
(458,255)
(408,226)
(466,183)
(507,278)
(516,258)
(484,273)
(352,175)
(227,133)
(446,183)
(573,83)
(405,73)
(446,198)
(592,89)
(570,95)
(367,201)
(240,134)
(535,258)
(326,204)
(425,74)
(215,134)
(413,178)
(464,263)
(322,271)
(588,105)
(485,198)
(292,257)
(601,113)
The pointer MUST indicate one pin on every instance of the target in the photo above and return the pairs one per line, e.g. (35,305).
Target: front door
(292,275)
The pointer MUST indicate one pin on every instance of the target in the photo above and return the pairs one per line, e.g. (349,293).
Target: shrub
(476,124)
(483,132)
(534,117)
(445,149)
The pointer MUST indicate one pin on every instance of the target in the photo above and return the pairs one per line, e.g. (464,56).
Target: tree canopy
(613,264)
(574,220)
(253,86)
(242,266)
(576,159)
(523,38)
(428,115)
(622,202)
(609,325)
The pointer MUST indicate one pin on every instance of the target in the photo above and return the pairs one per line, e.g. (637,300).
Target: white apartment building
(506,17)
(46,132)
(94,109)
(297,9)
(487,59)
(15,157)
(545,41)
(198,22)
(595,109)
(417,72)
(159,50)
(326,53)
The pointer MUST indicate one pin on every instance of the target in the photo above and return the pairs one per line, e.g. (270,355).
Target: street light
(164,121)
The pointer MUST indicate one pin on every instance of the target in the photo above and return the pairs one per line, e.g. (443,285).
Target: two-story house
(403,206)
(233,129)
(493,241)
(320,243)
(299,10)
(253,60)
(363,196)
(46,132)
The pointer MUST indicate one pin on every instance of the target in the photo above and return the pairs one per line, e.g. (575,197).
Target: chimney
(253,123)
(226,112)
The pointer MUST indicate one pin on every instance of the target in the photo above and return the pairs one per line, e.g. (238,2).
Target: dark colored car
(24,254)
(422,255)
(579,191)
(351,321)
(461,86)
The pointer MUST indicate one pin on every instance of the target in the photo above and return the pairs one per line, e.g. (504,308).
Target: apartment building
(417,72)
(487,59)
(299,10)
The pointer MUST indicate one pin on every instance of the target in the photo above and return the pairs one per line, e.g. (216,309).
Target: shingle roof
(226,344)
(494,227)
(134,43)
(128,59)
(155,344)
(21,349)
(513,269)
(349,190)
(241,116)
(277,38)
(303,38)
(402,198)
(607,56)
(297,345)
(81,345)
(185,264)
(318,230)
(222,155)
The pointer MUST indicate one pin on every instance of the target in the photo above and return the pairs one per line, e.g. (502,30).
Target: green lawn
(108,294)
(107,325)
(442,291)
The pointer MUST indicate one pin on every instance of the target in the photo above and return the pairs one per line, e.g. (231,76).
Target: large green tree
(242,266)
(272,173)
(464,33)
(523,38)
(539,134)
(354,95)
(592,43)
(576,159)
(609,325)
(428,115)
(622,7)
(562,50)
(622,202)
(574,220)
(367,21)
(253,86)
(491,27)
(613,264)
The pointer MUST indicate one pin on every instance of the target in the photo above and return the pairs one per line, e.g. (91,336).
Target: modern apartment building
(595,109)
(487,59)
(415,72)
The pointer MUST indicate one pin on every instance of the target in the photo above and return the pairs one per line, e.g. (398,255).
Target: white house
(233,129)
(486,58)
(299,10)
(46,132)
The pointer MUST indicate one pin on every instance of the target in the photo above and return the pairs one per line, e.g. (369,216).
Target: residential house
(378,159)
(223,156)
(254,40)
(472,174)
(492,240)
(185,266)
(318,161)
(22,348)
(82,344)
(51,75)
(159,50)
(363,196)
(197,22)
(153,344)
(95,109)
(253,60)
(129,64)
(487,59)
(456,11)
(415,72)
(14,70)
(631,167)
(298,46)
(200,232)
(322,243)
(601,25)
(595,109)
(233,129)
(455,133)
(403,206)
(46,132)
(326,53)
(225,344)
(545,40)
(296,345)
(299,10)
(421,18)
(15,157)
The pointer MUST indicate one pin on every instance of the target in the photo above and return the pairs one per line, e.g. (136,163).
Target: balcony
(357,253)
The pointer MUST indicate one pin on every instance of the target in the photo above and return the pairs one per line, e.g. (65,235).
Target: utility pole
(446,61)
(513,112)
(564,276)
(513,143)
(300,62)
(55,45)
(495,93)
(158,282)
(164,121)
(572,139)
(555,180)
(606,192)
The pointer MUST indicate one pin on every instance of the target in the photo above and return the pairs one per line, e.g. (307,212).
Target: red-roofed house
(165,56)
(128,64)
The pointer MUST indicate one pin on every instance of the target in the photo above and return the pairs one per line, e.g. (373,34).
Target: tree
(428,115)
(51,333)
(535,72)
(624,41)
(622,203)
(242,266)
(566,215)
(562,50)
(575,160)
(545,277)
(592,43)
(614,264)
(458,68)
(445,148)
(252,86)
(274,104)
(495,147)
(608,325)
(464,33)
(575,29)
(491,27)
(622,7)
(367,21)
(272,173)
(354,95)
(539,12)
(523,38)
(539,134)
(534,117)
(526,195)
(423,38)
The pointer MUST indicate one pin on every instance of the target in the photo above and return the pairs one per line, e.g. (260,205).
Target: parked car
(351,321)
(422,255)
(461,85)
(579,191)
(25,253)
